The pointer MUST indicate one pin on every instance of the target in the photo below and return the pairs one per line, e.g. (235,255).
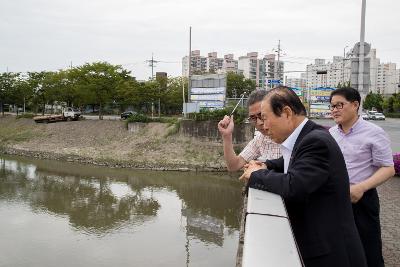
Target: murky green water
(59,214)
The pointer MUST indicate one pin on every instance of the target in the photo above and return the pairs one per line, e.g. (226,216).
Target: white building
(384,77)
(214,64)
(271,69)
(198,64)
(330,74)
(261,70)
(210,64)
(296,83)
(249,66)
(230,64)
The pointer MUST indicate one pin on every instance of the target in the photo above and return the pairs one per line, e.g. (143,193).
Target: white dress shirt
(288,144)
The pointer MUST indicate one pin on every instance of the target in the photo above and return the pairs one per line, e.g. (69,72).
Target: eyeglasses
(337,106)
(254,118)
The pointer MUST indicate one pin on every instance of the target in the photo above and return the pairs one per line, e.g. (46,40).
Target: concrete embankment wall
(209,130)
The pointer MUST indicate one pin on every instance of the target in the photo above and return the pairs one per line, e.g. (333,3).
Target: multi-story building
(230,64)
(214,64)
(259,70)
(209,64)
(398,80)
(198,64)
(249,65)
(273,70)
(383,76)
(330,74)
(299,83)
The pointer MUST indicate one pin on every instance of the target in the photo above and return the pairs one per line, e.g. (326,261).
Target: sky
(55,34)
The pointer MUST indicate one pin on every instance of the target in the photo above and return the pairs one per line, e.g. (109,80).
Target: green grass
(14,135)
(173,128)
(26,116)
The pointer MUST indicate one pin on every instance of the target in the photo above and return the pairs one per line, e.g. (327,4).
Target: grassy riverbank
(108,143)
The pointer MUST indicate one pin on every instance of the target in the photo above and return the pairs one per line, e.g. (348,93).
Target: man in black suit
(311,177)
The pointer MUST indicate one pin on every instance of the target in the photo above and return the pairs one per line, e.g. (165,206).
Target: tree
(373,101)
(7,85)
(237,84)
(344,84)
(173,97)
(22,93)
(99,83)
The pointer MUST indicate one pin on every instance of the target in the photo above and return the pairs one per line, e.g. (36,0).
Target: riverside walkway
(389,194)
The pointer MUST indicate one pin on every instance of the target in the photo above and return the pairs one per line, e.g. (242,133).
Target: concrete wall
(135,127)
(209,130)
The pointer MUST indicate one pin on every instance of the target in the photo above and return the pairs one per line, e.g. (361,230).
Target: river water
(63,214)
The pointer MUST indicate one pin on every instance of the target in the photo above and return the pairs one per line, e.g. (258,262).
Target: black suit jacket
(316,192)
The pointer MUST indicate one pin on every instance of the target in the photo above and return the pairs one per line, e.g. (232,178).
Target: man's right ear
(287,111)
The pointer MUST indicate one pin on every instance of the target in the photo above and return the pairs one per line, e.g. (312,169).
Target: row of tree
(101,85)
(388,104)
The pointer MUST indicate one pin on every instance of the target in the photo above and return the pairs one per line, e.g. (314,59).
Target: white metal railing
(268,237)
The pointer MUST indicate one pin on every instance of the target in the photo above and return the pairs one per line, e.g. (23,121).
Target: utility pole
(361,87)
(151,64)
(190,63)
(277,71)
(279,56)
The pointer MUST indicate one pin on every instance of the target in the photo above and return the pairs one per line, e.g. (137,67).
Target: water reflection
(100,201)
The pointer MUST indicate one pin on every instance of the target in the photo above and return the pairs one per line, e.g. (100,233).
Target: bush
(216,115)
(392,115)
(138,118)
(26,116)
(143,118)
(396,159)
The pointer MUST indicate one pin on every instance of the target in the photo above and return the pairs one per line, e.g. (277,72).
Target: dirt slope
(109,143)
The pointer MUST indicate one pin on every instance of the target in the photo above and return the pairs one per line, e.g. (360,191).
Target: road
(105,117)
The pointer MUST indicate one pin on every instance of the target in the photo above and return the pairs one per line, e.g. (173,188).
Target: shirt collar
(291,140)
(355,126)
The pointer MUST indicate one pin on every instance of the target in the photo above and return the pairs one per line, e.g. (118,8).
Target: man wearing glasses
(261,147)
(369,161)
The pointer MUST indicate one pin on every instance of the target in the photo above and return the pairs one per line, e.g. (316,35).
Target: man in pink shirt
(369,161)
(261,147)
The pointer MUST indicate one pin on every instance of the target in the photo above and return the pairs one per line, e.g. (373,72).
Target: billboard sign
(209,91)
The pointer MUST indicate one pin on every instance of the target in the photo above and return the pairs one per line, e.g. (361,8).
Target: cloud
(49,34)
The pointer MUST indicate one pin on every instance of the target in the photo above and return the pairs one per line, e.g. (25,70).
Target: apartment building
(328,74)
(299,83)
(230,64)
(210,64)
(260,70)
(249,65)
(273,70)
(384,78)
(198,64)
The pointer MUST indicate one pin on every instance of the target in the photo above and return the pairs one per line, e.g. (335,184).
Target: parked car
(71,113)
(126,114)
(371,114)
(365,116)
(379,116)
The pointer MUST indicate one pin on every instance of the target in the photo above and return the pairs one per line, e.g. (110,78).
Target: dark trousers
(366,216)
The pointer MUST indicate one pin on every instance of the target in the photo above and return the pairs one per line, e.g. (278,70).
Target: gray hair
(256,96)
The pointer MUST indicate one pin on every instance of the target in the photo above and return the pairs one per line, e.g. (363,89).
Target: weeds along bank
(153,146)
